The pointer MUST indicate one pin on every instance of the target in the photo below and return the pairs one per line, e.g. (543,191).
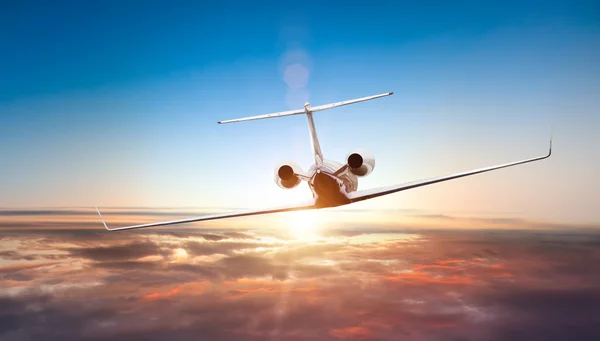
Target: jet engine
(285,175)
(361,162)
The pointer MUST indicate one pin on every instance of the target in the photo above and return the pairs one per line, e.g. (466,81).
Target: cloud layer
(355,283)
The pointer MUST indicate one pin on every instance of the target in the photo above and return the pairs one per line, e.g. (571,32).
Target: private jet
(332,183)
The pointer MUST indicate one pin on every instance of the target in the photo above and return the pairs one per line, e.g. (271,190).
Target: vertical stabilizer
(314,139)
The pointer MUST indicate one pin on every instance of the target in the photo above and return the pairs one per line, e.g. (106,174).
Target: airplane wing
(307,206)
(378,192)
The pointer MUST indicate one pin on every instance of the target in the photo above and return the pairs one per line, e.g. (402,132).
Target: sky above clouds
(116,104)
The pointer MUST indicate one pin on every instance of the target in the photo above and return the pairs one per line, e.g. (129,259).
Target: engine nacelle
(361,162)
(285,175)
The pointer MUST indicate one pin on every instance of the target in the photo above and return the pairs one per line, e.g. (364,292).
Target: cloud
(211,248)
(13,255)
(353,283)
(127,251)
(547,314)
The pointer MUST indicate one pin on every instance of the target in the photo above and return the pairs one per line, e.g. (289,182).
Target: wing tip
(101,218)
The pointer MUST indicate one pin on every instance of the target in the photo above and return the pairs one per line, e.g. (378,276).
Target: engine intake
(361,162)
(285,175)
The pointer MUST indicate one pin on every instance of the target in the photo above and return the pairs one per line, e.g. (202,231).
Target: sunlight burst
(303,225)
(180,254)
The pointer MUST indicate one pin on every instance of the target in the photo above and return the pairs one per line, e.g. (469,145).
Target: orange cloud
(417,278)
(196,288)
(18,267)
(352,333)
(157,295)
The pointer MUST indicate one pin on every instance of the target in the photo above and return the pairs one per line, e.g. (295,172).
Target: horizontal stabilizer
(260,117)
(352,101)
(306,109)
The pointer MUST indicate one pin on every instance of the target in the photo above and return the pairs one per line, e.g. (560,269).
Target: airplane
(332,184)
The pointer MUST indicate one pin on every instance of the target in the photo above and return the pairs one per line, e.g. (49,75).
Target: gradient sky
(115,104)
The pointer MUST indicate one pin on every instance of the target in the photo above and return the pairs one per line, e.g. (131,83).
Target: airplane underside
(328,190)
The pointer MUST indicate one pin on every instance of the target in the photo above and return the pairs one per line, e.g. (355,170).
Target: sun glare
(303,225)
(180,255)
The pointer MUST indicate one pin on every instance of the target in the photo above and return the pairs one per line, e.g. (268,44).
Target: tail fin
(314,139)
(308,110)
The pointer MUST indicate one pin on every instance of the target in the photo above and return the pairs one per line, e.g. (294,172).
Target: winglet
(550,149)
(103,222)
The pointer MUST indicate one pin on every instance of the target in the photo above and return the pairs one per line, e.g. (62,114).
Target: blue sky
(116,104)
